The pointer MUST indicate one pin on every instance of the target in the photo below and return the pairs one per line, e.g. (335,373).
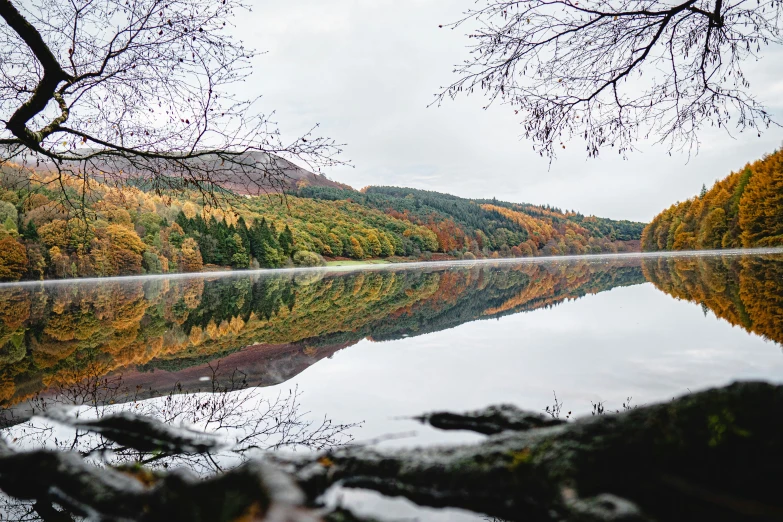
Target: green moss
(719,425)
(519,458)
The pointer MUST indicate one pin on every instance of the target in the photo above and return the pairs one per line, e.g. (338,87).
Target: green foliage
(239,258)
(151,263)
(9,225)
(460,224)
(305,258)
(30,232)
(151,223)
(8,211)
(286,241)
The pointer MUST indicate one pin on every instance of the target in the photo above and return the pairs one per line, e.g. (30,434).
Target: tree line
(127,230)
(490,227)
(745,209)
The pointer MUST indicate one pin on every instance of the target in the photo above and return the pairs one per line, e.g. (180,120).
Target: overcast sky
(367,71)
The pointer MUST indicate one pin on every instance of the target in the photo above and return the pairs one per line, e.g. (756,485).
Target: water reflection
(110,345)
(746,291)
(159,332)
(163,332)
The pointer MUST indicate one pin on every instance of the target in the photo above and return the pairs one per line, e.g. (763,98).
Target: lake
(370,347)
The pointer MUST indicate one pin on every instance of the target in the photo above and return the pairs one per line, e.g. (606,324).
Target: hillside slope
(254,173)
(487,226)
(745,209)
(124,231)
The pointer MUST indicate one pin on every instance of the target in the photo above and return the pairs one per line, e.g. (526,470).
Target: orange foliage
(745,209)
(13,259)
(746,291)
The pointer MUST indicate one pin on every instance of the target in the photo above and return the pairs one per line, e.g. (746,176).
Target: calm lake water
(369,347)
(381,344)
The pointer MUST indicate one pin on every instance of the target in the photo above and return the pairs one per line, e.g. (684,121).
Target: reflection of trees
(482,292)
(744,290)
(59,335)
(232,421)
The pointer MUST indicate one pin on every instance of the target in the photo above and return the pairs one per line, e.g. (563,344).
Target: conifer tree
(30,231)
(286,241)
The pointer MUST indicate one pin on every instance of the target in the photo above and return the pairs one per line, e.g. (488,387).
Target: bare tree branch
(610,72)
(142,92)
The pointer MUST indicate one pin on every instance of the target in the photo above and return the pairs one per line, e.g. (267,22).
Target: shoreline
(412,264)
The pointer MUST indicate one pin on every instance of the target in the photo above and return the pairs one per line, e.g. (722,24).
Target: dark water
(375,345)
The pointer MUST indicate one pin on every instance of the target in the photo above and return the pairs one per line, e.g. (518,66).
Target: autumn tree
(355,248)
(745,209)
(190,257)
(610,73)
(138,89)
(117,251)
(54,233)
(126,262)
(761,206)
(374,244)
(13,259)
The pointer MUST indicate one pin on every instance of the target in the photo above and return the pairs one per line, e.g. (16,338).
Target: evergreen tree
(209,249)
(270,257)
(286,241)
(268,233)
(239,259)
(30,231)
(244,233)
(183,221)
(256,240)
(200,224)
(228,247)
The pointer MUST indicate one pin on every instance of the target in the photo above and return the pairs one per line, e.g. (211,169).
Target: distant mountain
(251,173)
(292,177)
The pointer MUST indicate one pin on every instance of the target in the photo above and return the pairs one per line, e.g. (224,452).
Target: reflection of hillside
(258,365)
(61,334)
(160,331)
(746,291)
(481,293)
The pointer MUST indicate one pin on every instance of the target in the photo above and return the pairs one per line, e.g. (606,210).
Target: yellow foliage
(124,238)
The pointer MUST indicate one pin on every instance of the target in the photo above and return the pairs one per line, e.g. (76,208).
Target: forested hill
(744,209)
(125,231)
(487,226)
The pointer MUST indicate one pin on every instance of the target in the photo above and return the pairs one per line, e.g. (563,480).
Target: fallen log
(253,491)
(713,455)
